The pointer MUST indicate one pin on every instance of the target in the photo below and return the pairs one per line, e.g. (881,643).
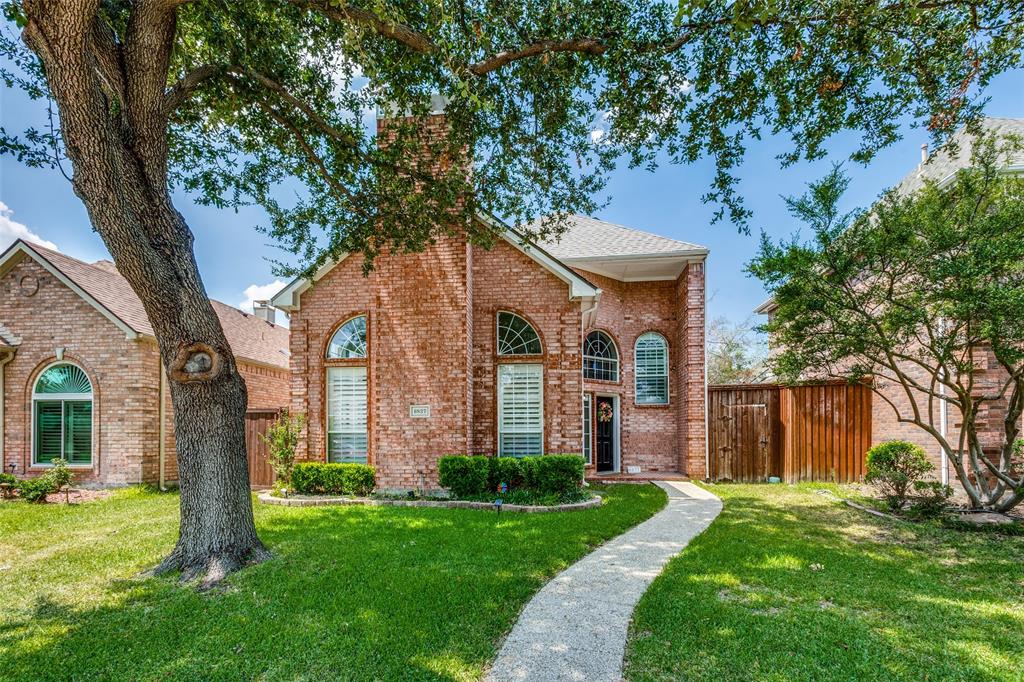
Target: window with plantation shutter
(347,439)
(520,410)
(62,416)
(651,369)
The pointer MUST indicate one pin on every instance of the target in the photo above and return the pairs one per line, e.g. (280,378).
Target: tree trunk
(114,126)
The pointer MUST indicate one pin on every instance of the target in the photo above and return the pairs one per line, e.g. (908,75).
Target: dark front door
(605,436)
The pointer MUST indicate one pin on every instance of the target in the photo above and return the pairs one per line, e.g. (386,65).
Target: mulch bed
(78,496)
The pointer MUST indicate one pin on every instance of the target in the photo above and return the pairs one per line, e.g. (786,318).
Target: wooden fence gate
(261,474)
(798,433)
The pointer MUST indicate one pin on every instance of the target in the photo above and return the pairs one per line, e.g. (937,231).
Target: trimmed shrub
(464,476)
(35,489)
(557,474)
(11,480)
(509,470)
(929,499)
(893,467)
(328,478)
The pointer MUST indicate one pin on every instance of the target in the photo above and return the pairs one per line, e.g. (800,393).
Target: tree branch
(414,40)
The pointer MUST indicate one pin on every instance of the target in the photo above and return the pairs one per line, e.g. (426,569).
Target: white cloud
(263,292)
(596,134)
(10,230)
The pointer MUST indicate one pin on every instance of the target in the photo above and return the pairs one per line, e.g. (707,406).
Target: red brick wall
(690,292)
(649,433)
(416,307)
(506,279)
(124,375)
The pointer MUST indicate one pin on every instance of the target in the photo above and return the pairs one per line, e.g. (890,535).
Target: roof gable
(590,238)
(251,338)
(289,298)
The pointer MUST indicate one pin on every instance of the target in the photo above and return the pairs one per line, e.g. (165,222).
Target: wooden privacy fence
(261,474)
(797,433)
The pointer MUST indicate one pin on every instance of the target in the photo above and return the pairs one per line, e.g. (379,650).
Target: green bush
(282,438)
(464,476)
(557,474)
(12,481)
(470,477)
(508,470)
(929,499)
(893,467)
(35,489)
(333,479)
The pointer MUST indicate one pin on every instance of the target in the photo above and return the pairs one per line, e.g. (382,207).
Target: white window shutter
(520,410)
(347,439)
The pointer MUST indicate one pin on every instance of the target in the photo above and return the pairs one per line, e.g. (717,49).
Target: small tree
(735,355)
(282,439)
(916,294)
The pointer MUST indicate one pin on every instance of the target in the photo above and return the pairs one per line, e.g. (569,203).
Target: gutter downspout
(162,430)
(4,359)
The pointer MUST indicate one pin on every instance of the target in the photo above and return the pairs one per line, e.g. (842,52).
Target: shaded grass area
(352,593)
(788,585)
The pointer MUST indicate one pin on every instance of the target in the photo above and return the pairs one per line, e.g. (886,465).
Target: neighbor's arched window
(346,391)
(516,336)
(62,416)
(349,341)
(651,369)
(600,359)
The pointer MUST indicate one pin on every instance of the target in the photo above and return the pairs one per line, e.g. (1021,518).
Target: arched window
(651,369)
(346,390)
(600,359)
(516,336)
(62,416)
(349,341)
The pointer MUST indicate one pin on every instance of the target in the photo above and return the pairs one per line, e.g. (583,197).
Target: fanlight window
(349,341)
(600,359)
(62,416)
(651,369)
(516,336)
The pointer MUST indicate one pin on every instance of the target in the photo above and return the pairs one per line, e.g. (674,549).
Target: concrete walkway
(575,627)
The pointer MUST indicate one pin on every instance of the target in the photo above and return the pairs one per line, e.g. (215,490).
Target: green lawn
(366,593)
(787,585)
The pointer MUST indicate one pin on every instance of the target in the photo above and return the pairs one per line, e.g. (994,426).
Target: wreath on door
(605,412)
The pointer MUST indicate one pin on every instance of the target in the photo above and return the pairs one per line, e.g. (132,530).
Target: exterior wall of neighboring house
(506,279)
(124,373)
(124,376)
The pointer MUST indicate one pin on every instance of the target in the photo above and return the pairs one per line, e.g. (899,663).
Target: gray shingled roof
(592,238)
(942,164)
(251,337)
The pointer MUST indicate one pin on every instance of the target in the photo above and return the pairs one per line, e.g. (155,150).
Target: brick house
(80,371)
(942,166)
(593,344)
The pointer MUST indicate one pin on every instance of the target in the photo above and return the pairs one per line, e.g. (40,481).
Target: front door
(605,435)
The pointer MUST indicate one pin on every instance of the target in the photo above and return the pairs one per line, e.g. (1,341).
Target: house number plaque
(419,411)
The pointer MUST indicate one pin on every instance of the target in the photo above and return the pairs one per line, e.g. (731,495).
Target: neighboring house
(80,372)
(593,345)
(942,167)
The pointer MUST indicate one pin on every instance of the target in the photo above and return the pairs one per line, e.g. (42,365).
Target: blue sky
(232,256)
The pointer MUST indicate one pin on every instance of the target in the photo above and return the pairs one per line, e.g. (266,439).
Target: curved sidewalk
(575,627)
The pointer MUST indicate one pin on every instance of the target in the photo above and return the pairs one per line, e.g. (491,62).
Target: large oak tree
(230,99)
